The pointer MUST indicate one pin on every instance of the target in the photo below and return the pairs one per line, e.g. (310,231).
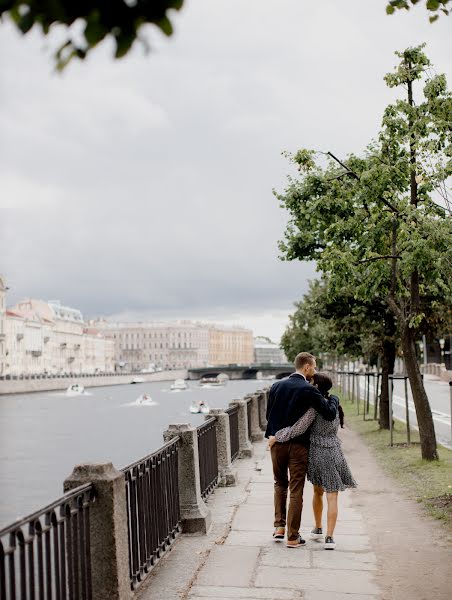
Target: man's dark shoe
(329,543)
(296,543)
(316,533)
(278,534)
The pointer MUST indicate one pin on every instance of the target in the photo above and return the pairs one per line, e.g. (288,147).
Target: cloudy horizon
(142,188)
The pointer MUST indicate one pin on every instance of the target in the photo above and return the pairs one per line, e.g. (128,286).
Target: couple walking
(302,424)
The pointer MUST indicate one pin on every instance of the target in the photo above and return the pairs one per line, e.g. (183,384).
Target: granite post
(256,431)
(262,409)
(195,515)
(228,475)
(245,446)
(109,542)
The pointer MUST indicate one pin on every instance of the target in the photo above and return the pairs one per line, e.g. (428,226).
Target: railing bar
(22,568)
(31,563)
(61,530)
(89,591)
(40,558)
(56,561)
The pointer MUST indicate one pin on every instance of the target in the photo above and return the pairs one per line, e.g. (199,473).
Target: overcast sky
(142,188)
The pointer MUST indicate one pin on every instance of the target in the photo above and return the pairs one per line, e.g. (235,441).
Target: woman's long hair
(324,384)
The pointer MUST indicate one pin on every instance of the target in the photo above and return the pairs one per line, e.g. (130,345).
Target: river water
(43,435)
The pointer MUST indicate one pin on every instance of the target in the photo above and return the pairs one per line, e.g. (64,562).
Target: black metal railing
(208,461)
(153,513)
(47,554)
(233,413)
(248,412)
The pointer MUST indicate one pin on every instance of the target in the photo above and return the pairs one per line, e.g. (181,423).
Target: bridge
(253,371)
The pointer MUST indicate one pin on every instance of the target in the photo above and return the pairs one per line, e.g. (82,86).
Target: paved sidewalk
(251,565)
(238,558)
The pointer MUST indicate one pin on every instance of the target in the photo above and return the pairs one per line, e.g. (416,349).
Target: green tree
(120,20)
(372,225)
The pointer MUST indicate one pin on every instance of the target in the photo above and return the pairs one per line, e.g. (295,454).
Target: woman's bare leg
(317,505)
(331,498)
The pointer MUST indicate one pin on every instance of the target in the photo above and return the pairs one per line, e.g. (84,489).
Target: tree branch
(386,256)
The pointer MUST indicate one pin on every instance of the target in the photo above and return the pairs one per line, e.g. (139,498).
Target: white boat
(145,400)
(179,385)
(199,407)
(212,381)
(137,380)
(75,390)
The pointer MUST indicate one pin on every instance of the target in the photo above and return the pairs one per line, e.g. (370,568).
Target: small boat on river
(179,386)
(137,380)
(199,407)
(213,381)
(145,400)
(75,390)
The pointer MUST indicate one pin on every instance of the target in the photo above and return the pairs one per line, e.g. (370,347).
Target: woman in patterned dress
(327,468)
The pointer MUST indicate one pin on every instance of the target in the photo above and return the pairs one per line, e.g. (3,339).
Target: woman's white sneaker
(316,533)
(329,543)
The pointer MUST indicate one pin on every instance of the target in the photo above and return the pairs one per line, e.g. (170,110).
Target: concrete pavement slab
(366,561)
(227,564)
(251,593)
(251,538)
(337,596)
(252,518)
(314,579)
(354,543)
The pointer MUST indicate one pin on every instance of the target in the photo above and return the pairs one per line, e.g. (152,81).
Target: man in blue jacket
(288,400)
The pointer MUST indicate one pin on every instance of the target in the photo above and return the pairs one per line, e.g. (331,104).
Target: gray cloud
(143,187)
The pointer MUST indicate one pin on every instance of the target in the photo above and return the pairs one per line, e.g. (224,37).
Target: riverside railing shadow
(101,539)
(47,554)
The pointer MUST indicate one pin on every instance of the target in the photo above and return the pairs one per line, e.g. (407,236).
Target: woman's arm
(286,434)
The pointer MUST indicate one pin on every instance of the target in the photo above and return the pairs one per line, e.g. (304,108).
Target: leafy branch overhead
(434,6)
(120,20)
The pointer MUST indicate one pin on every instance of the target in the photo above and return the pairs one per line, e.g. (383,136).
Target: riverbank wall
(24,386)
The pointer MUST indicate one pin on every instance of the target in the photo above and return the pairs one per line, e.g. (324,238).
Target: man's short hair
(303,359)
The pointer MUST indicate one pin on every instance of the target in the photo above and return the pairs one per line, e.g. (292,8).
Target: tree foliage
(436,7)
(372,224)
(121,20)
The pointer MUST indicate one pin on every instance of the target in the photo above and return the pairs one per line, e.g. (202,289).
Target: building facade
(230,345)
(267,352)
(176,345)
(48,338)
(2,325)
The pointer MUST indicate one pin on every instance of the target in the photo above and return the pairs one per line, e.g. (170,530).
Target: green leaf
(94,32)
(390,9)
(433,4)
(433,18)
(124,42)
(165,25)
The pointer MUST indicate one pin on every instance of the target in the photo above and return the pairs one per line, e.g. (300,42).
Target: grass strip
(428,482)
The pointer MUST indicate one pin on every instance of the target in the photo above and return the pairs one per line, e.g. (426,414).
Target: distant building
(177,344)
(154,345)
(50,338)
(267,352)
(2,325)
(230,345)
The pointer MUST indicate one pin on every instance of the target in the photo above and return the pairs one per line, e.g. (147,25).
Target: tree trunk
(387,368)
(421,403)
